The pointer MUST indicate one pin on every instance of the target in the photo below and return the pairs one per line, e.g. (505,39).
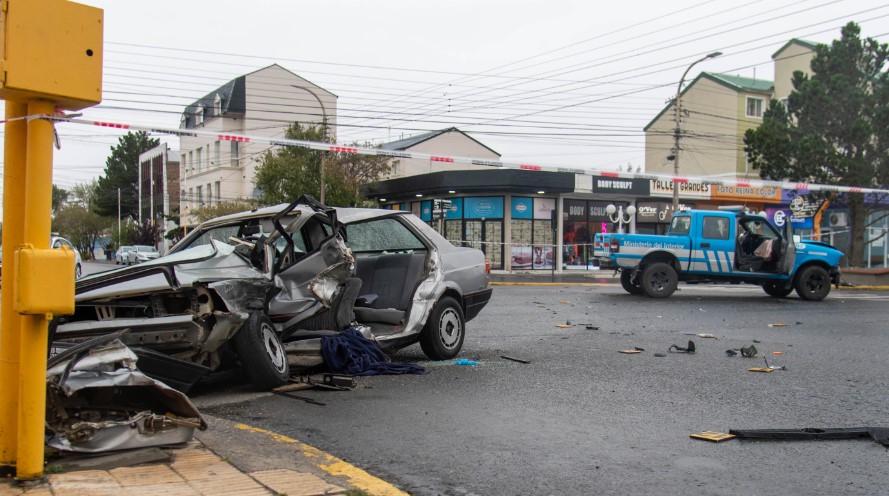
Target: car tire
(627,283)
(813,283)
(776,289)
(442,336)
(77,272)
(659,280)
(261,353)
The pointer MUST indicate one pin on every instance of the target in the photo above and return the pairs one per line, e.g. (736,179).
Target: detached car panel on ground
(238,290)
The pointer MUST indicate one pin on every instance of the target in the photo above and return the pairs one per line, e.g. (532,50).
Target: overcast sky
(556,82)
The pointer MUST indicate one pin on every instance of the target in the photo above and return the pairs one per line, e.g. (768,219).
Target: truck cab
(722,246)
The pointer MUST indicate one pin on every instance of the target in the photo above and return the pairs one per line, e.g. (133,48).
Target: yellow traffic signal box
(44,281)
(51,49)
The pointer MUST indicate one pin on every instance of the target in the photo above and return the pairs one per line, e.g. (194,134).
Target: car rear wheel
(813,283)
(628,284)
(442,337)
(776,289)
(77,271)
(261,353)
(659,280)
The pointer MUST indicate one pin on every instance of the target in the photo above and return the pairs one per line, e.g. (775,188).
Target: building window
(234,153)
(190,196)
(216,152)
(218,197)
(199,159)
(754,106)
(395,166)
(199,192)
(209,195)
(199,116)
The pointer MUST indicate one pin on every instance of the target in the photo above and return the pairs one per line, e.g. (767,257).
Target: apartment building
(261,103)
(716,110)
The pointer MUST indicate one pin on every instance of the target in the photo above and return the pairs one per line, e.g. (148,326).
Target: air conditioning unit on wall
(838,219)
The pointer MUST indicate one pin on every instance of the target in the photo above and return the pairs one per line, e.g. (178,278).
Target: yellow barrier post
(13,235)
(38,223)
(50,56)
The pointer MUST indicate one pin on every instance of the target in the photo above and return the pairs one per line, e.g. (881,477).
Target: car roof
(350,214)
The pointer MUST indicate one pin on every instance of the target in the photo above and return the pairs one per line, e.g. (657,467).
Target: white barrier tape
(314,145)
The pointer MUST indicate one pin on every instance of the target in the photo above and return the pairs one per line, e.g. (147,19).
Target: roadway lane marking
(334,466)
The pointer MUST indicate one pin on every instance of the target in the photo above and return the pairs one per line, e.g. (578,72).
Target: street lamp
(324,124)
(619,220)
(678,128)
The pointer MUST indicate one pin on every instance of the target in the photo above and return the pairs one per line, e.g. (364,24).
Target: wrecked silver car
(242,289)
(98,401)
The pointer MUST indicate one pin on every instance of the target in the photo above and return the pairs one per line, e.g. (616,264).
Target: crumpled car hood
(205,263)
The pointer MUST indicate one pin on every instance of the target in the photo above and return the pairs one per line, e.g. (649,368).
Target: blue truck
(721,246)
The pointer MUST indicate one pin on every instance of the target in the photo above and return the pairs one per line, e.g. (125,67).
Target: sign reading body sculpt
(483,207)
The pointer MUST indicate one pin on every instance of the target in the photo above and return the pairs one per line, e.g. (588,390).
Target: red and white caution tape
(315,145)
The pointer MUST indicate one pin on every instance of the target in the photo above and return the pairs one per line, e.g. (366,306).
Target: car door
(302,270)
(713,244)
(789,250)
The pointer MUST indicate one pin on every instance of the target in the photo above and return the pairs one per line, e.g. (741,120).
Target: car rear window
(381,235)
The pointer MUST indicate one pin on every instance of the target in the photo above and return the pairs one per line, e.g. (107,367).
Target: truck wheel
(442,337)
(659,280)
(813,283)
(628,284)
(776,289)
(261,354)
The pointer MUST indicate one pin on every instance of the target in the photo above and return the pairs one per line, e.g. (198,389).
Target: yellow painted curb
(334,466)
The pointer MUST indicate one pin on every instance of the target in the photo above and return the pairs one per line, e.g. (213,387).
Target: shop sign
(620,186)
(805,207)
(543,207)
(483,207)
(735,192)
(663,187)
(780,216)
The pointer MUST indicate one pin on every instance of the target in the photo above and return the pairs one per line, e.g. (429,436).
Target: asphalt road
(582,418)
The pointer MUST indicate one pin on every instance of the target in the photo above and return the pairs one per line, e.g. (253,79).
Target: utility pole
(118,217)
(324,129)
(678,129)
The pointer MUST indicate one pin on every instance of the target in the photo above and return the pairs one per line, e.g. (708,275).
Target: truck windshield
(680,225)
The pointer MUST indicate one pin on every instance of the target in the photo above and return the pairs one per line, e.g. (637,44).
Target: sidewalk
(192,470)
(244,460)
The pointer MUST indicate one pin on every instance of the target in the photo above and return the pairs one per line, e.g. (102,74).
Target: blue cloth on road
(353,354)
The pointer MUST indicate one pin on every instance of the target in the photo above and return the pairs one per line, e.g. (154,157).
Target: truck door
(713,244)
(789,251)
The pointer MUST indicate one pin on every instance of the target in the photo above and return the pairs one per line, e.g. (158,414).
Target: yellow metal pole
(15,141)
(38,223)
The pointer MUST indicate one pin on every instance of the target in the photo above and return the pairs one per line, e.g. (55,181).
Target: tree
(82,226)
(122,171)
(288,172)
(834,128)
(208,212)
(142,234)
(347,173)
(59,197)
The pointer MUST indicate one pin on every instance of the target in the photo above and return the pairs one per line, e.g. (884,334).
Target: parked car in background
(243,290)
(121,256)
(142,253)
(58,242)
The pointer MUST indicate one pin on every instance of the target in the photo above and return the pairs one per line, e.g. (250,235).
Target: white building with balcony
(262,103)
